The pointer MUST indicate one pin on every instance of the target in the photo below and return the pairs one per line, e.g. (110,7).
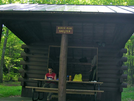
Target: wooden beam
(71,17)
(10,27)
(63,67)
(75,47)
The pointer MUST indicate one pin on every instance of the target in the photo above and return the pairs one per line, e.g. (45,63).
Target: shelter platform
(16,99)
(21,99)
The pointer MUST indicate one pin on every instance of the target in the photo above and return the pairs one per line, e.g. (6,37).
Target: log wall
(110,69)
(35,63)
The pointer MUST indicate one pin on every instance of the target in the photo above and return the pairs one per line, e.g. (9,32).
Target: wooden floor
(16,99)
(23,99)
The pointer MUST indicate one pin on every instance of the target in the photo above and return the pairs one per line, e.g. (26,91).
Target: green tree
(84,2)
(11,53)
(130,63)
(2,56)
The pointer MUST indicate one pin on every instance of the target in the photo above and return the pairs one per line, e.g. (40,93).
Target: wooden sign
(64,29)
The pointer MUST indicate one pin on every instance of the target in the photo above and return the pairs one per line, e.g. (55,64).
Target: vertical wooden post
(1,67)
(0,30)
(63,67)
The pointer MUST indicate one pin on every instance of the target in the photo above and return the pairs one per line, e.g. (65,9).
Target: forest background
(10,46)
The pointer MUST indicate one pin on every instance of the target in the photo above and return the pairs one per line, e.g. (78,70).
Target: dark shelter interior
(97,30)
(79,61)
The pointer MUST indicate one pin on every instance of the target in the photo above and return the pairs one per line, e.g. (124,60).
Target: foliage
(11,76)
(130,56)
(11,90)
(83,2)
(12,56)
(128,94)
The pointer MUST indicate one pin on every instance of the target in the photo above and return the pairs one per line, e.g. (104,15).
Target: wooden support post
(1,64)
(0,30)
(63,68)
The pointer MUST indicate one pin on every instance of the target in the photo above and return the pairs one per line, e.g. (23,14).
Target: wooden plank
(35,72)
(68,90)
(88,57)
(78,90)
(79,19)
(101,68)
(109,80)
(35,47)
(34,67)
(44,52)
(34,84)
(101,56)
(79,93)
(26,58)
(108,76)
(88,46)
(34,55)
(46,80)
(78,47)
(109,72)
(86,82)
(107,64)
(27,80)
(69,86)
(76,63)
(79,63)
(36,75)
(33,63)
(54,89)
(35,51)
(110,89)
(111,85)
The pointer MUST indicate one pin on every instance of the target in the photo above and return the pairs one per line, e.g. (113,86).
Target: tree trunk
(2,57)
(129,68)
(132,67)
(131,64)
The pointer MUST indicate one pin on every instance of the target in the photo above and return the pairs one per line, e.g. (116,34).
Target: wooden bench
(68,91)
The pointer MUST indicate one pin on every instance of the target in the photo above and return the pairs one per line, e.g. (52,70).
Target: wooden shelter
(97,30)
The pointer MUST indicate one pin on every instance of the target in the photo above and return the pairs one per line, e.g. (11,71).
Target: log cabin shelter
(100,31)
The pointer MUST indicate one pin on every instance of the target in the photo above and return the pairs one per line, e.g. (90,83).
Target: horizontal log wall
(110,69)
(110,72)
(35,64)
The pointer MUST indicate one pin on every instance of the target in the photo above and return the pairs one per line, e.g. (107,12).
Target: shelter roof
(68,8)
(93,24)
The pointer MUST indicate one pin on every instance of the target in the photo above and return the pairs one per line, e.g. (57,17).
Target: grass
(128,94)
(10,89)
(14,89)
